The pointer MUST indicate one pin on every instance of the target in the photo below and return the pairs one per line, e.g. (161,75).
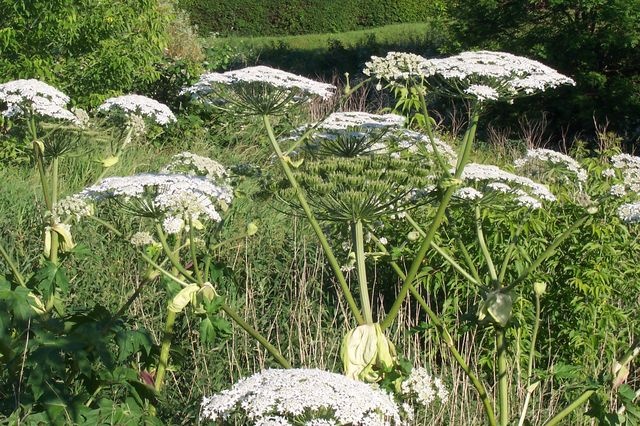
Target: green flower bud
(540,288)
(252,228)
(413,236)
(366,351)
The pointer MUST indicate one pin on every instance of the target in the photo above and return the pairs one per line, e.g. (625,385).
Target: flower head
(35,97)
(303,394)
(398,68)
(258,90)
(495,75)
(424,387)
(139,105)
(630,212)
(175,198)
(197,165)
(541,155)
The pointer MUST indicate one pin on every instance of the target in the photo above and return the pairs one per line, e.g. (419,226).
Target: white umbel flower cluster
(197,165)
(268,76)
(176,198)
(507,74)
(398,68)
(542,155)
(309,394)
(341,121)
(482,92)
(139,105)
(73,207)
(411,140)
(34,96)
(629,212)
(629,165)
(142,238)
(424,387)
(525,192)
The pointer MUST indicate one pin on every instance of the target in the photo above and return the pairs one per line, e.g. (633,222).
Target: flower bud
(252,229)
(413,235)
(540,288)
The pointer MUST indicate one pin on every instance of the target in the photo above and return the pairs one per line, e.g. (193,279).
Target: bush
(282,17)
(88,48)
(593,41)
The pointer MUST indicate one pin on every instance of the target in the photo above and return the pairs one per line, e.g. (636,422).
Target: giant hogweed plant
(342,171)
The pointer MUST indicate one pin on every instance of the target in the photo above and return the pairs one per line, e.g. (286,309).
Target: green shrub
(88,48)
(279,17)
(593,41)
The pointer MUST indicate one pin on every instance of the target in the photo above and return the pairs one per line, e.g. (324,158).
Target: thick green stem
(484,249)
(256,335)
(503,379)
(365,302)
(12,266)
(547,253)
(335,266)
(163,362)
(55,239)
(192,250)
(532,353)
(171,255)
(448,340)
(575,404)
(426,242)
(442,252)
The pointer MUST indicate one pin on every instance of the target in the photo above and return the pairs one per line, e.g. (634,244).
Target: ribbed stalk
(335,266)
(358,237)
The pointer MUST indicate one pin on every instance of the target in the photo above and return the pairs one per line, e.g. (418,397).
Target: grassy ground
(324,54)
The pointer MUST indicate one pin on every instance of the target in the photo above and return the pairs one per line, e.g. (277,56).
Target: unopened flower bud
(252,229)
(540,288)
(413,235)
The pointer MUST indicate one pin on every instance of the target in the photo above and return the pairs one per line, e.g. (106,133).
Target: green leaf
(131,342)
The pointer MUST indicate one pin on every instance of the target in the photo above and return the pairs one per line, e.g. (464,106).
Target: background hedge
(286,17)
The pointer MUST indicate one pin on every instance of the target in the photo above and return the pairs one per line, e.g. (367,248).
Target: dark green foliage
(89,49)
(278,17)
(593,41)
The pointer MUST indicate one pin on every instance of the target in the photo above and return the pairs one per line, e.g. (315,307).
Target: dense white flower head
(140,105)
(34,96)
(73,207)
(482,92)
(416,141)
(629,165)
(175,197)
(553,157)
(508,75)
(197,165)
(398,68)
(488,179)
(261,74)
(424,387)
(303,394)
(346,120)
(142,238)
(630,212)
(625,161)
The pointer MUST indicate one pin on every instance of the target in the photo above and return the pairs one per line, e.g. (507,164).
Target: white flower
(424,387)
(553,157)
(624,161)
(398,68)
(346,120)
(630,212)
(306,393)
(482,92)
(468,193)
(169,195)
(618,190)
(508,75)
(141,239)
(34,96)
(492,174)
(192,164)
(608,173)
(73,206)
(273,421)
(140,105)
(267,76)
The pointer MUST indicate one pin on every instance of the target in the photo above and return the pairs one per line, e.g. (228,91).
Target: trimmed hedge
(290,17)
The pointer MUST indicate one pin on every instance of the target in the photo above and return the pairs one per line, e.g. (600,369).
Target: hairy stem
(358,237)
(163,362)
(335,266)
(503,379)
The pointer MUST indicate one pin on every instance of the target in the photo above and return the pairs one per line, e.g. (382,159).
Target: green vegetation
(523,303)
(286,17)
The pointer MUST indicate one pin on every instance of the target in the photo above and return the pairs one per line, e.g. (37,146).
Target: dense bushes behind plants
(279,17)
(594,41)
